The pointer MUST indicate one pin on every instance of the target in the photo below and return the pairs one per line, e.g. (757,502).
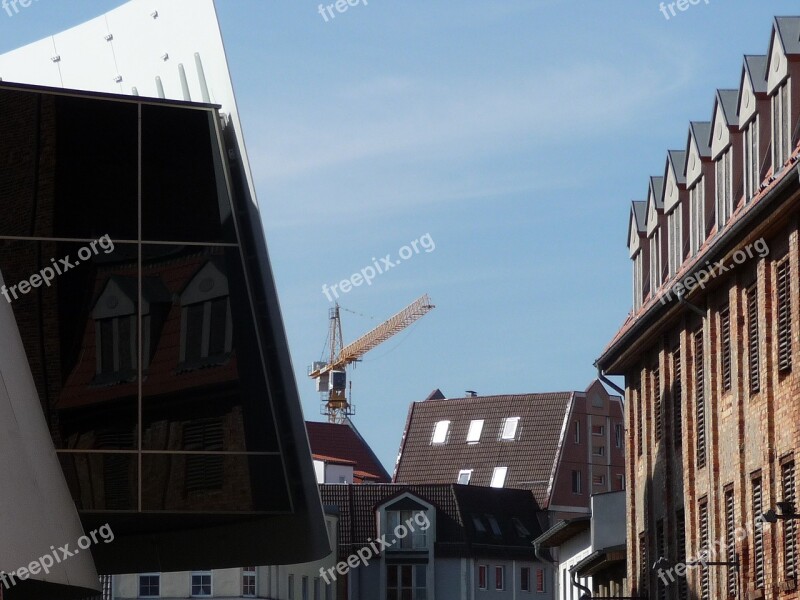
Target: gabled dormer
(699,173)
(753,110)
(726,154)
(639,251)
(783,68)
(656,232)
(675,196)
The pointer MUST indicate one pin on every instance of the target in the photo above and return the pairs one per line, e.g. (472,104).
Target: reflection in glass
(102,481)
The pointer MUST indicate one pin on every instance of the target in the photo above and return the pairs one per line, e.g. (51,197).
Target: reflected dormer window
(206,324)
(115,332)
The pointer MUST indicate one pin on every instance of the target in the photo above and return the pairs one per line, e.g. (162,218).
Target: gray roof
(701,131)
(728,99)
(657,188)
(755,69)
(639,208)
(677,158)
(789,31)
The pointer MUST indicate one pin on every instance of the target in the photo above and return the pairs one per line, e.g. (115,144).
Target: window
(781,127)
(509,431)
(149,585)
(757,509)
(725,346)
(525,579)
(783,289)
(753,350)
(644,568)
(576,436)
(304,587)
(704,535)
(494,525)
(724,193)
(249,581)
(598,450)
(522,531)
(576,482)
(482,577)
(657,404)
(479,526)
(677,399)
(680,538)
(620,482)
(598,430)
(730,540)
(697,231)
(317,589)
(700,398)
(206,320)
(655,261)
(499,578)
(540,580)
(661,550)
(201,584)
(475,429)
(406,582)
(416,539)
(752,168)
(498,477)
(204,472)
(290,586)
(639,292)
(618,435)
(598,479)
(789,525)
(464,476)
(675,240)
(440,431)
(637,392)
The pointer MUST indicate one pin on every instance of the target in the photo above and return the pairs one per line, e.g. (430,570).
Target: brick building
(710,352)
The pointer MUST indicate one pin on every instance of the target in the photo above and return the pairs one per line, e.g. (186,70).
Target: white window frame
(210,576)
(602,431)
(508,432)
(139,585)
(618,434)
(499,477)
(414,540)
(638,280)
(248,572)
(290,585)
(485,570)
(675,231)
(752,167)
(462,472)
(697,223)
(501,569)
(475,430)
(655,260)
(441,432)
(724,184)
(781,126)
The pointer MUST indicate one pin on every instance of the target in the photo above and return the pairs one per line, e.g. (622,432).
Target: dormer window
(675,232)
(114,315)
(440,431)
(752,167)
(781,127)
(697,225)
(416,538)
(723,168)
(206,324)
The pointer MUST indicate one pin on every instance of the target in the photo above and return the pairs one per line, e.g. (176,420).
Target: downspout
(580,586)
(608,382)
(547,560)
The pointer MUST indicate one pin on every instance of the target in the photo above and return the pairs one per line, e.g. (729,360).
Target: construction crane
(332,377)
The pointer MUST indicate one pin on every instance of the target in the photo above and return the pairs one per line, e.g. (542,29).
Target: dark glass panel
(213,483)
(78,329)
(184,195)
(102,480)
(206,364)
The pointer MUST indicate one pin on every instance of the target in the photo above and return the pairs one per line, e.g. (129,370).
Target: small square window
(149,585)
(598,480)
(464,476)
(440,432)
(201,584)
(498,477)
(598,430)
(598,450)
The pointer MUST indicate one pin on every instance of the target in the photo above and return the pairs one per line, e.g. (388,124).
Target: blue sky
(514,132)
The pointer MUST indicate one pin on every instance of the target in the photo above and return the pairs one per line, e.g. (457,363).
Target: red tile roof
(342,441)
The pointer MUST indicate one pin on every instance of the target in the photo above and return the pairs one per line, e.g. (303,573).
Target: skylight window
(498,477)
(440,432)
(475,429)
(522,531)
(494,525)
(479,526)
(509,431)
(464,476)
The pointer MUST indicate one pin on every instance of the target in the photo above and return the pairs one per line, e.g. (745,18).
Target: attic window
(522,531)
(509,431)
(498,477)
(464,476)
(479,526)
(494,525)
(440,431)
(475,429)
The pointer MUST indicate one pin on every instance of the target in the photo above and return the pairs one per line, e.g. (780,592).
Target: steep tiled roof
(342,441)
(530,458)
(457,507)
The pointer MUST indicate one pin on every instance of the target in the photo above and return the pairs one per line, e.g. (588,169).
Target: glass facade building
(133,259)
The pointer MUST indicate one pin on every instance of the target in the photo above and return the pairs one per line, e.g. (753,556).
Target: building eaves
(563,531)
